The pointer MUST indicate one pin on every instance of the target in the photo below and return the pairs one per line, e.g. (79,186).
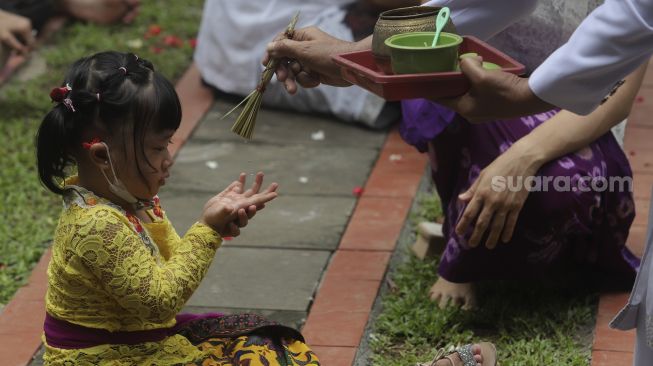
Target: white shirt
(609,44)
(613,41)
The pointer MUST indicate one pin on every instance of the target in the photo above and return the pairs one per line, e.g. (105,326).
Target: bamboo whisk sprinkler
(244,125)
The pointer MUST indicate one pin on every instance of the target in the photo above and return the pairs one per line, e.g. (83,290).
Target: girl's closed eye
(163,148)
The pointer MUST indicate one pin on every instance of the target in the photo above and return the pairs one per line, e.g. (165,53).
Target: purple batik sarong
(556,228)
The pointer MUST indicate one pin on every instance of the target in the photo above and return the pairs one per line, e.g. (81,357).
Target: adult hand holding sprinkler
(244,125)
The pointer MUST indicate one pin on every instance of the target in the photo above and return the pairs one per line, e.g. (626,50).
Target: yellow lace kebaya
(113,273)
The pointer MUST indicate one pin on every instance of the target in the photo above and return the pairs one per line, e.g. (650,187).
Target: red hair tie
(59,94)
(87,145)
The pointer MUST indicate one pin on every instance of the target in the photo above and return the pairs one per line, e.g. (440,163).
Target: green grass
(28,213)
(531,324)
(429,209)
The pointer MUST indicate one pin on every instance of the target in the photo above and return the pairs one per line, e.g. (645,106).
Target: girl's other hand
(232,208)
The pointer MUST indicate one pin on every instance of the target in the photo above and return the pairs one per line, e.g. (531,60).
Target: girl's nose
(168,161)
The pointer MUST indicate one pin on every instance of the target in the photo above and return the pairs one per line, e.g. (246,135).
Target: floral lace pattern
(106,274)
(86,199)
(534,38)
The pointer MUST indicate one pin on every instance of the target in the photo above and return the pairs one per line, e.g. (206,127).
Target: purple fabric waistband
(62,334)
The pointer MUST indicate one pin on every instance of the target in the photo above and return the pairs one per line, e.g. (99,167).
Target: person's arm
(614,39)
(127,270)
(491,207)
(569,132)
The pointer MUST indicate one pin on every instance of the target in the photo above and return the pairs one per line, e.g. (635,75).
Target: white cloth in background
(233,38)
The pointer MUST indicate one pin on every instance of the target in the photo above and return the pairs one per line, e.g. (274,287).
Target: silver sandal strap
(466,355)
(464,352)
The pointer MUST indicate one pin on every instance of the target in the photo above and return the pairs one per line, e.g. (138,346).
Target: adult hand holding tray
(359,68)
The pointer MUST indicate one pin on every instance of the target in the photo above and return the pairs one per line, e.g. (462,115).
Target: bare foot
(101,11)
(447,293)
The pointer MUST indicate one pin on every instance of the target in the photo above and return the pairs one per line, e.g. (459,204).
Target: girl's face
(155,165)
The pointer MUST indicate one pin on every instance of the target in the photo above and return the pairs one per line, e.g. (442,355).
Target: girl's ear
(99,155)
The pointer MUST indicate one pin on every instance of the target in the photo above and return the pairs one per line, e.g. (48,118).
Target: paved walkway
(318,247)
(275,266)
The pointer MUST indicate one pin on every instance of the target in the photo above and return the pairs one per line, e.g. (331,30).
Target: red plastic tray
(359,68)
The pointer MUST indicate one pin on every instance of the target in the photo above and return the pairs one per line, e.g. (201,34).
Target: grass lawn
(531,324)
(28,213)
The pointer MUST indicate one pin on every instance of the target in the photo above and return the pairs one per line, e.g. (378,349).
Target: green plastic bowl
(411,53)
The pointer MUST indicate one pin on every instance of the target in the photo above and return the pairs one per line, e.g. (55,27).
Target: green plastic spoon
(440,21)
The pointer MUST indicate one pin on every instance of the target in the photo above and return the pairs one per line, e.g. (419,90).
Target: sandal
(488,352)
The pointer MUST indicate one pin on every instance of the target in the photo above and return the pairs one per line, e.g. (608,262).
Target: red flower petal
(156,49)
(154,30)
(192,42)
(173,41)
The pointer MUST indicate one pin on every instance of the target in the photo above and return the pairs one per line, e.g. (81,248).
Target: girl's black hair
(133,99)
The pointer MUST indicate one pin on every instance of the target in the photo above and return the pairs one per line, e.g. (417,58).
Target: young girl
(119,272)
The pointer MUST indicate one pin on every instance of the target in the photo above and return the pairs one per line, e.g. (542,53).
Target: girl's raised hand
(232,208)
